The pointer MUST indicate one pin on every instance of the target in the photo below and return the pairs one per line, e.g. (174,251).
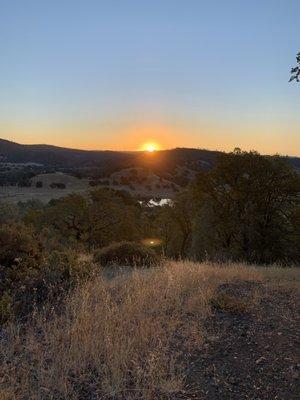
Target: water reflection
(156,202)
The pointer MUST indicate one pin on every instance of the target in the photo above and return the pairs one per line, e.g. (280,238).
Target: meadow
(45,193)
(147,185)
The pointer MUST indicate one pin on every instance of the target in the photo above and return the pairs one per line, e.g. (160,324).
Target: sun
(150,147)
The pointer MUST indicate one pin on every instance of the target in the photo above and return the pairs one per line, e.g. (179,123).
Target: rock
(260,360)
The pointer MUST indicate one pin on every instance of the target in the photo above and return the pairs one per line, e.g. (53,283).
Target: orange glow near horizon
(133,136)
(150,147)
(148,137)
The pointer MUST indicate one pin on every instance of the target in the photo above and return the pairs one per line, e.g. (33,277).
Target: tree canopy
(295,72)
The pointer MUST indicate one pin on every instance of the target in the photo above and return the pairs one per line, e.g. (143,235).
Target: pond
(157,202)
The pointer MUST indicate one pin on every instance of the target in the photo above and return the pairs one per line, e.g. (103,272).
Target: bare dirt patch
(251,351)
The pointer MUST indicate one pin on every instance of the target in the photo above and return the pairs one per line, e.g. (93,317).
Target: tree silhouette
(295,72)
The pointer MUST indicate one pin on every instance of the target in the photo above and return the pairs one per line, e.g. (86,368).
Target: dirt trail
(252,346)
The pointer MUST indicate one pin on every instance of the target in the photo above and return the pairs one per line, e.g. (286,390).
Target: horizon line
(142,151)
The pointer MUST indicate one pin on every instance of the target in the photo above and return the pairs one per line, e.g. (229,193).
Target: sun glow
(150,147)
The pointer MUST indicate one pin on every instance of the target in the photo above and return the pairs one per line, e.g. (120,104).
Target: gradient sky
(115,74)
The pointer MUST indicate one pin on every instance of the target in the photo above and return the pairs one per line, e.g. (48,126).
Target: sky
(117,74)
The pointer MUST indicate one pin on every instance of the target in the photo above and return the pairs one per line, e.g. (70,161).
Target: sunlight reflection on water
(157,202)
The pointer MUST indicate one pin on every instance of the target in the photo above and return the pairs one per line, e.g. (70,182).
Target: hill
(55,156)
(65,157)
(180,331)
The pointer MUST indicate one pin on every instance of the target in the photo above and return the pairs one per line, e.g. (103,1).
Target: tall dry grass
(125,338)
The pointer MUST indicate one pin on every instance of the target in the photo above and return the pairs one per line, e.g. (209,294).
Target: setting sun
(150,147)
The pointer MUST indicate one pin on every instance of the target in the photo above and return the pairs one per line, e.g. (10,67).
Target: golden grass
(285,278)
(120,339)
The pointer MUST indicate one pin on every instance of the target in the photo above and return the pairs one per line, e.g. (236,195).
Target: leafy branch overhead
(295,72)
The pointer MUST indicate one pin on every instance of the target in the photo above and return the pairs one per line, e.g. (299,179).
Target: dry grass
(285,278)
(121,339)
(230,303)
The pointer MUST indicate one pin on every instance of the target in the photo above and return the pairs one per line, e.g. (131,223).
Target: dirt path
(252,348)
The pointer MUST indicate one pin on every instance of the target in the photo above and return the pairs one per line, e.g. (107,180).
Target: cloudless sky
(113,74)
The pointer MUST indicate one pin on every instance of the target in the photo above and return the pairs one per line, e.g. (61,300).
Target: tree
(8,212)
(175,222)
(95,220)
(295,72)
(68,216)
(245,205)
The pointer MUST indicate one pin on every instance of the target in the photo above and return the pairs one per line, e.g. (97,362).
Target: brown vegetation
(127,254)
(128,338)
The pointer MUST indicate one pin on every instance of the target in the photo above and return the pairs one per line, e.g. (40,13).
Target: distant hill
(55,156)
(64,157)
(165,160)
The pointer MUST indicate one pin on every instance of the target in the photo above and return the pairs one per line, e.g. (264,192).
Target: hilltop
(49,155)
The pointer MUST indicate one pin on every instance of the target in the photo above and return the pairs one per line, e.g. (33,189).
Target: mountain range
(55,156)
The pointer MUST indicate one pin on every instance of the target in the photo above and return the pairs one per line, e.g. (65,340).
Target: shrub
(26,287)
(57,185)
(8,212)
(17,243)
(126,253)
(30,276)
(124,181)
(93,183)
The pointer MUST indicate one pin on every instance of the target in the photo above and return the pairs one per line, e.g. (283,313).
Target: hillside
(165,160)
(55,156)
(180,331)
(60,156)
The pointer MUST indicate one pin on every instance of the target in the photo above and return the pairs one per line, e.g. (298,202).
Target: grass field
(46,193)
(152,187)
(179,331)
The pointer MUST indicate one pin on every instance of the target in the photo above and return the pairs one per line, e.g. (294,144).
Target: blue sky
(113,74)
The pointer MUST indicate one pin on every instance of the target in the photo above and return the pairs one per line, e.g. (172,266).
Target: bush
(93,183)
(26,287)
(57,185)
(8,213)
(17,243)
(126,253)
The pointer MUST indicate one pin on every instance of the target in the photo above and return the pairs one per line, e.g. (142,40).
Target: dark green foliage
(93,183)
(57,185)
(126,253)
(295,72)
(174,225)
(8,212)
(17,177)
(18,244)
(124,180)
(26,285)
(105,216)
(244,208)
